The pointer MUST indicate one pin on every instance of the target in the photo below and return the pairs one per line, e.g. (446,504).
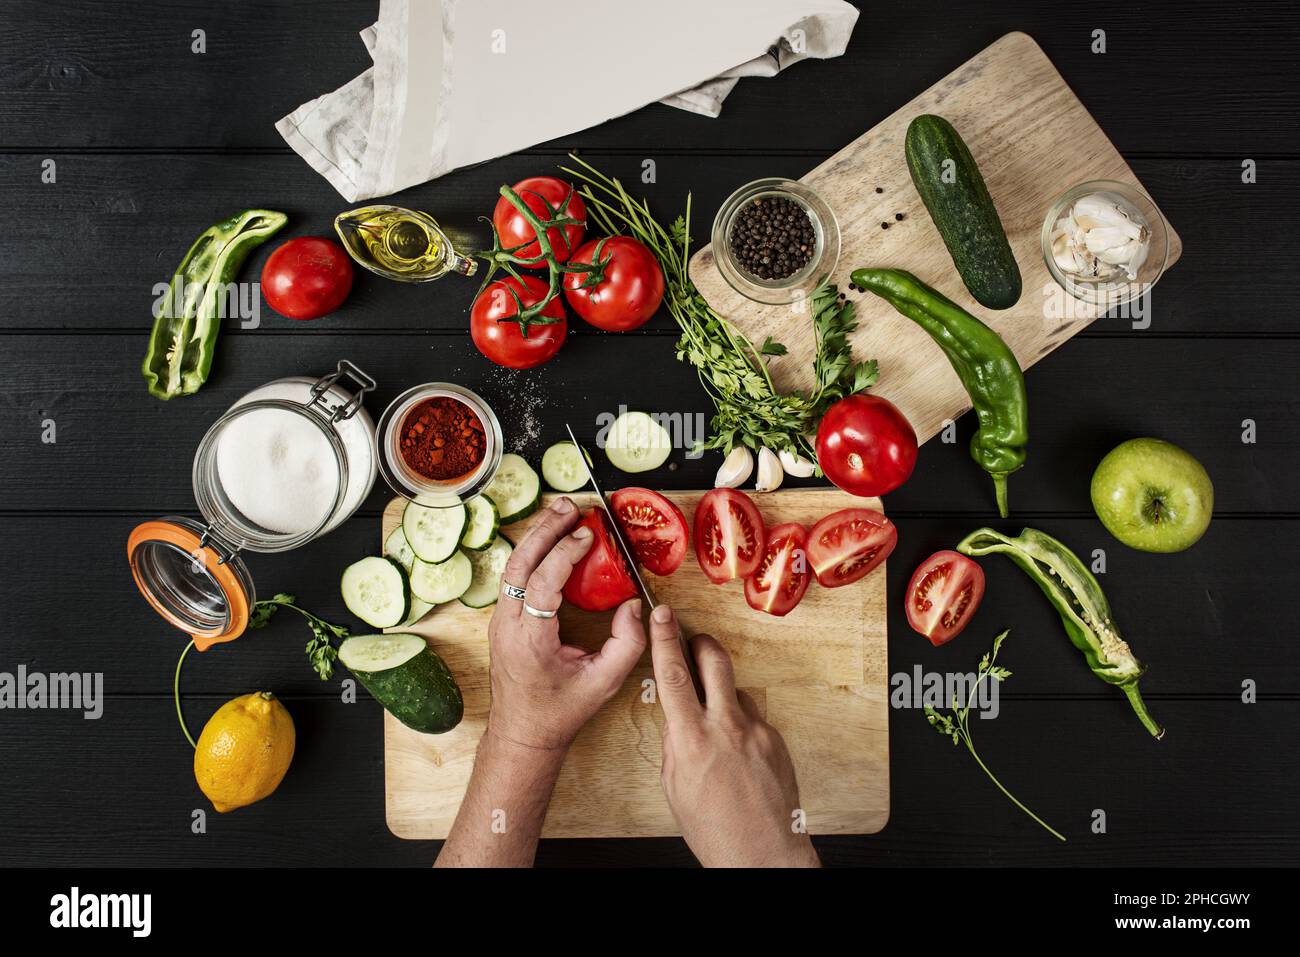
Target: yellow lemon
(244,751)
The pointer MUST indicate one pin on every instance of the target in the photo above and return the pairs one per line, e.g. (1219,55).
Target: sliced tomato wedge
(729,535)
(782,577)
(601,580)
(845,545)
(655,528)
(943,595)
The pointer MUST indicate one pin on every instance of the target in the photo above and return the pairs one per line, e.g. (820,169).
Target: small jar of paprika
(439,439)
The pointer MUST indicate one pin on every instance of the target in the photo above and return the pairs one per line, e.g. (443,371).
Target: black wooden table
(151,142)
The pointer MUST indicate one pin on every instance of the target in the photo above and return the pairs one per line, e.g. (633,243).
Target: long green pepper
(1078,599)
(184,336)
(985,364)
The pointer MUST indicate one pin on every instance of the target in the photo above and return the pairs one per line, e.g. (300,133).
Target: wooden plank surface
(818,674)
(1033,140)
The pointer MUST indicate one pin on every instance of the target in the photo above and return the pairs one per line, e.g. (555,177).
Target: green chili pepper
(986,366)
(1078,598)
(184,335)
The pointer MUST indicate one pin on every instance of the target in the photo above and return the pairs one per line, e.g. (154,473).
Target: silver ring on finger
(538,612)
(512,591)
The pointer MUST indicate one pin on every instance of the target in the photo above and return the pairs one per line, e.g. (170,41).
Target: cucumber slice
(377,591)
(562,468)
(399,549)
(433,526)
(408,678)
(637,443)
(439,582)
(488,566)
(483,523)
(419,608)
(516,489)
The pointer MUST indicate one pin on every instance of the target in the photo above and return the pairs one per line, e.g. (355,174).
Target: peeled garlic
(795,465)
(1100,237)
(770,473)
(736,468)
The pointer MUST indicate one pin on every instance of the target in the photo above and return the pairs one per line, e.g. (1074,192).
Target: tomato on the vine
(496,332)
(845,545)
(782,577)
(865,445)
(601,579)
(655,528)
(729,535)
(627,290)
(547,198)
(943,594)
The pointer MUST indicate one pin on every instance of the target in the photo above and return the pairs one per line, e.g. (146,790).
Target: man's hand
(726,771)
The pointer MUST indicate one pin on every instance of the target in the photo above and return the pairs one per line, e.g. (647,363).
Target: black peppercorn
(772,238)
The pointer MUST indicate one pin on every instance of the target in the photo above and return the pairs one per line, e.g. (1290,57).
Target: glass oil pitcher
(402,244)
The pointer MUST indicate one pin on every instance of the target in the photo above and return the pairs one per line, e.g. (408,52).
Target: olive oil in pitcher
(402,244)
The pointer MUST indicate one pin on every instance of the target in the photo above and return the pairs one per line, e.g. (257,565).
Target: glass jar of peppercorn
(439,439)
(773,239)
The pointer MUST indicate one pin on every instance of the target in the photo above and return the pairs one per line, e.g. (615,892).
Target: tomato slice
(782,576)
(846,545)
(601,580)
(729,535)
(943,595)
(654,527)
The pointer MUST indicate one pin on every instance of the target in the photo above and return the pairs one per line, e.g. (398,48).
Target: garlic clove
(795,465)
(770,473)
(736,469)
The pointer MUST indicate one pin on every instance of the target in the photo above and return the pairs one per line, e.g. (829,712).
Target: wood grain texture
(1033,140)
(819,674)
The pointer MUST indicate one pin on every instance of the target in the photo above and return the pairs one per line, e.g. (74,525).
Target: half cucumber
(562,467)
(408,678)
(377,591)
(433,525)
(637,443)
(438,582)
(488,565)
(515,489)
(483,523)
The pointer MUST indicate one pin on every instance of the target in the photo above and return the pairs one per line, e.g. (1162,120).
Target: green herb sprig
(732,369)
(320,648)
(956,725)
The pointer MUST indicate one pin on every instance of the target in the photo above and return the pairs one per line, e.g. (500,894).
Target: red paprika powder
(442,439)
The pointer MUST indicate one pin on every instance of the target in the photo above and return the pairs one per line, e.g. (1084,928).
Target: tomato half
(865,445)
(846,545)
(729,535)
(538,193)
(654,527)
(601,580)
(499,338)
(307,278)
(782,576)
(629,289)
(943,595)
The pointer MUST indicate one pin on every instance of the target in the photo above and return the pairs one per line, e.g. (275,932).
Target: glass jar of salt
(287,463)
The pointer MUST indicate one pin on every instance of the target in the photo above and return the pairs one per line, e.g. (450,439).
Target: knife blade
(629,558)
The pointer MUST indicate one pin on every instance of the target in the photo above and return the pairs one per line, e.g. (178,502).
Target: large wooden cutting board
(819,674)
(1033,140)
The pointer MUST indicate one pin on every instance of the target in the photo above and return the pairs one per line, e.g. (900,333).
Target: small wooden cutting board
(819,675)
(1033,140)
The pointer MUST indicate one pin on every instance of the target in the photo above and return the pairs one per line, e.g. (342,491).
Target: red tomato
(307,278)
(628,291)
(654,527)
(601,580)
(943,595)
(865,445)
(782,576)
(501,341)
(729,535)
(847,544)
(539,193)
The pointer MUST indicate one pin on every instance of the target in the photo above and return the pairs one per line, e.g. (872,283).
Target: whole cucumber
(953,190)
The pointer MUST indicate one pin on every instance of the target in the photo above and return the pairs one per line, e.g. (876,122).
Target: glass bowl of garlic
(1105,242)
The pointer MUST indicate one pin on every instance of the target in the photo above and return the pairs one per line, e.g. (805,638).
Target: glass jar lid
(195,581)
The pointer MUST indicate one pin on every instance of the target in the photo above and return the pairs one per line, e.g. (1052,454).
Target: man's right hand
(726,771)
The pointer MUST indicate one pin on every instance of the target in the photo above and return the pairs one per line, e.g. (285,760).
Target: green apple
(1152,495)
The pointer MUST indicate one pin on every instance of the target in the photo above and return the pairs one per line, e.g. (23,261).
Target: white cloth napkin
(457,82)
